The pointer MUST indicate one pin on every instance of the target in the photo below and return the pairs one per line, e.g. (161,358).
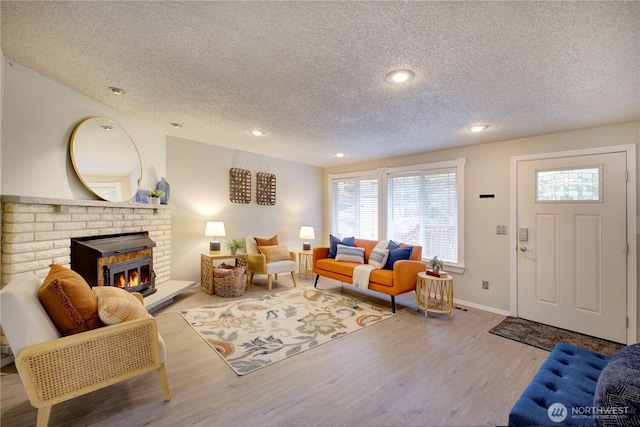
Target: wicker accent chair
(257,263)
(54,369)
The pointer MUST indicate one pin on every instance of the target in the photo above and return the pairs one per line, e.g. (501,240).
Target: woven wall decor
(239,185)
(265,189)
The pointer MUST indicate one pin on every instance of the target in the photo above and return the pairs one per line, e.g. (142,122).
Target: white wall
(38,118)
(488,171)
(199,177)
(2,62)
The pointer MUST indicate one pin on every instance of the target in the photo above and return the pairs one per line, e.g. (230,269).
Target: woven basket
(230,286)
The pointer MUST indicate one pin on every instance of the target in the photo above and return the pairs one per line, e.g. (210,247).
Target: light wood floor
(405,371)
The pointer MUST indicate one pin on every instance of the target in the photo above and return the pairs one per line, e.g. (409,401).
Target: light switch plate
(501,229)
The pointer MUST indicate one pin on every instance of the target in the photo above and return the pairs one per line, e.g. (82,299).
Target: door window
(569,185)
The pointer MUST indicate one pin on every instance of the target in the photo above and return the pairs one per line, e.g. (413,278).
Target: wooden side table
(206,268)
(435,294)
(305,263)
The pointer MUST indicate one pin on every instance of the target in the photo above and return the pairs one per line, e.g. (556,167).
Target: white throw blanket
(361,275)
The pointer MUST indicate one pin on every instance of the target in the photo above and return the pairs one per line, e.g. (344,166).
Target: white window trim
(382,173)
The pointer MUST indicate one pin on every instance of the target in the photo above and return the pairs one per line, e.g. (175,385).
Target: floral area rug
(253,333)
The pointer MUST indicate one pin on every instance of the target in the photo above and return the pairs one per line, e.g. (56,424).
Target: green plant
(157,193)
(435,264)
(235,244)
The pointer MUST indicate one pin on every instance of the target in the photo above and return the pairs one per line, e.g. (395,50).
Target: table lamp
(214,229)
(306,233)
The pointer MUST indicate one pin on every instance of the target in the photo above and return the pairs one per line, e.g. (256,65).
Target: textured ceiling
(311,74)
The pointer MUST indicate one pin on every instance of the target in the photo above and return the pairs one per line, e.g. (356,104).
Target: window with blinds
(354,208)
(420,205)
(422,209)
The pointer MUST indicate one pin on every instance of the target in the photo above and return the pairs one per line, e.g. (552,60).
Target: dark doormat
(546,337)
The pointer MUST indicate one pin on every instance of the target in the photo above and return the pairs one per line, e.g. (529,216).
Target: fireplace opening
(121,260)
(132,276)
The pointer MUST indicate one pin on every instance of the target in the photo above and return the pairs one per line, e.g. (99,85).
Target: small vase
(142,196)
(154,200)
(164,186)
(234,251)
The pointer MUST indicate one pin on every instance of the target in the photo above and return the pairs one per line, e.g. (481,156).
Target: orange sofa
(394,282)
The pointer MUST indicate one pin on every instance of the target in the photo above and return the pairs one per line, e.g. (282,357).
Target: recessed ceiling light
(107,127)
(478,128)
(400,76)
(176,125)
(117,90)
(339,154)
(257,132)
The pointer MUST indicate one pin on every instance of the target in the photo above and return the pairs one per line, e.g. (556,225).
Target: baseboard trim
(481,307)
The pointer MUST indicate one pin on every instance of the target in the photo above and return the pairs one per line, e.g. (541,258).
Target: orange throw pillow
(69,301)
(266,242)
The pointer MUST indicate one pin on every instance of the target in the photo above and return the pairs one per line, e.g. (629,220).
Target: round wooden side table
(435,294)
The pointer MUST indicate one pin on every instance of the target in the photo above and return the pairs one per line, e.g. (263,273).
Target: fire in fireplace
(133,276)
(121,260)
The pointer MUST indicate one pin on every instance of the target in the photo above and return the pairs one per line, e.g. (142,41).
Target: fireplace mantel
(30,200)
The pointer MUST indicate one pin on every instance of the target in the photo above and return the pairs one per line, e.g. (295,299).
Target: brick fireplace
(37,232)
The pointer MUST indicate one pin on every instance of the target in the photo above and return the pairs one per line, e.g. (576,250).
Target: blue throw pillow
(392,245)
(397,254)
(334,242)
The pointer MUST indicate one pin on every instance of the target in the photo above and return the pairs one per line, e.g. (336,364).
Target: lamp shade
(307,233)
(215,229)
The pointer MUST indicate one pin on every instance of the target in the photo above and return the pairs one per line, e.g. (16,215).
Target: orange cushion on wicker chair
(69,301)
(275,253)
(266,242)
(115,305)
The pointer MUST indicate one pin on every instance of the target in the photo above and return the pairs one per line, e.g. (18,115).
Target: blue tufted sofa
(578,387)
(567,379)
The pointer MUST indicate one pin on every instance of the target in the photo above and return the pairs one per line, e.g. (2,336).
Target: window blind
(422,209)
(354,208)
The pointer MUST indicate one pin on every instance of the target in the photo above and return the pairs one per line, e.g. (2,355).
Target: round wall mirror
(106,159)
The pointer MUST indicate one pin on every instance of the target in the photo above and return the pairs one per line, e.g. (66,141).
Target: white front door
(572,244)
